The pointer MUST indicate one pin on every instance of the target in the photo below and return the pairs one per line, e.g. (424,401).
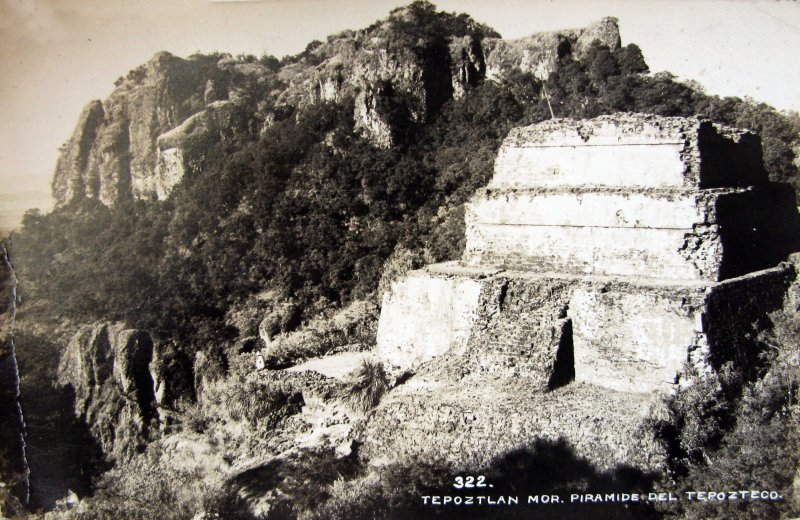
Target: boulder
(108,368)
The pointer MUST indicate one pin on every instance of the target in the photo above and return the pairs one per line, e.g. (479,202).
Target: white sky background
(57,55)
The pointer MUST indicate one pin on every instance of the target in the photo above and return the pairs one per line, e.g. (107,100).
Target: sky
(57,55)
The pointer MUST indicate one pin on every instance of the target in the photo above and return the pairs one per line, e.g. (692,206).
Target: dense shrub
(143,489)
(353,328)
(367,386)
(258,402)
(295,483)
(748,439)
(394,491)
(697,416)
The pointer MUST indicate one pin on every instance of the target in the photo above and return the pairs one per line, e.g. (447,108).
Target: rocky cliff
(108,368)
(113,153)
(13,464)
(151,131)
(122,382)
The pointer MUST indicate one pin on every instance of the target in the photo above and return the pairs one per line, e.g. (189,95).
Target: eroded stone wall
(629,150)
(629,195)
(736,310)
(633,337)
(625,335)
(604,257)
(426,315)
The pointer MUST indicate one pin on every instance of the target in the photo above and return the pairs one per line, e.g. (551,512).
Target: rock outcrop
(113,153)
(160,120)
(172,375)
(13,464)
(109,369)
(538,53)
(185,144)
(603,256)
(391,80)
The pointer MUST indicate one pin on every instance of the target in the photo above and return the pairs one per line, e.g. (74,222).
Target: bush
(697,416)
(195,419)
(367,387)
(749,440)
(294,483)
(143,488)
(256,402)
(391,491)
(353,327)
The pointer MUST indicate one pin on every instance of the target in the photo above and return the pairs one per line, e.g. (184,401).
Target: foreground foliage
(369,383)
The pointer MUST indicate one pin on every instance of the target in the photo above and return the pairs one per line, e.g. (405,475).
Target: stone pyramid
(610,251)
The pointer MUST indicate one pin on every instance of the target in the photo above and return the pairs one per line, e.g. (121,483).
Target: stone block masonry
(662,233)
(631,335)
(429,314)
(674,198)
(663,208)
(629,150)
(602,257)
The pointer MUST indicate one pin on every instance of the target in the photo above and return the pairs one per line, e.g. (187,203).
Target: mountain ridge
(117,150)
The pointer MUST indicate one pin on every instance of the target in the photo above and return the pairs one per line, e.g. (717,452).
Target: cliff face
(108,368)
(539,52)
(13,464)
(113,152)
(123,381)
(142,140)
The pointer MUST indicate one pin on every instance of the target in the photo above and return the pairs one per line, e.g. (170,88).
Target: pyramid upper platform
(631,195)
(629,150)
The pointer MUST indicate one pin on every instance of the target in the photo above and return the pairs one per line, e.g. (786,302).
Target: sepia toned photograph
(394,259)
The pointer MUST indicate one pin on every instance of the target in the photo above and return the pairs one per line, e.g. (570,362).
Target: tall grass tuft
(257,402)
(368,385)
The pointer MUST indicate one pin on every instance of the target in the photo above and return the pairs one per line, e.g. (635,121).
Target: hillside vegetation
(311,210)
(295,202)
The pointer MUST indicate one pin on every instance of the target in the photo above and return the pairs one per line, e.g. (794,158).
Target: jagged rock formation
(153,128)
(186,139)
(538,53)
(609,252)
(113,153)
(13,464)
(123,382)
(109,369)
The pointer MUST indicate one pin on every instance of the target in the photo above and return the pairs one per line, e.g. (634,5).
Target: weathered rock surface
(461,424)
(539,52)
(386,76)
(155,127)
(108,367)
(608,252)
(184,143)
(172,374)
(113,152)
(13,463)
